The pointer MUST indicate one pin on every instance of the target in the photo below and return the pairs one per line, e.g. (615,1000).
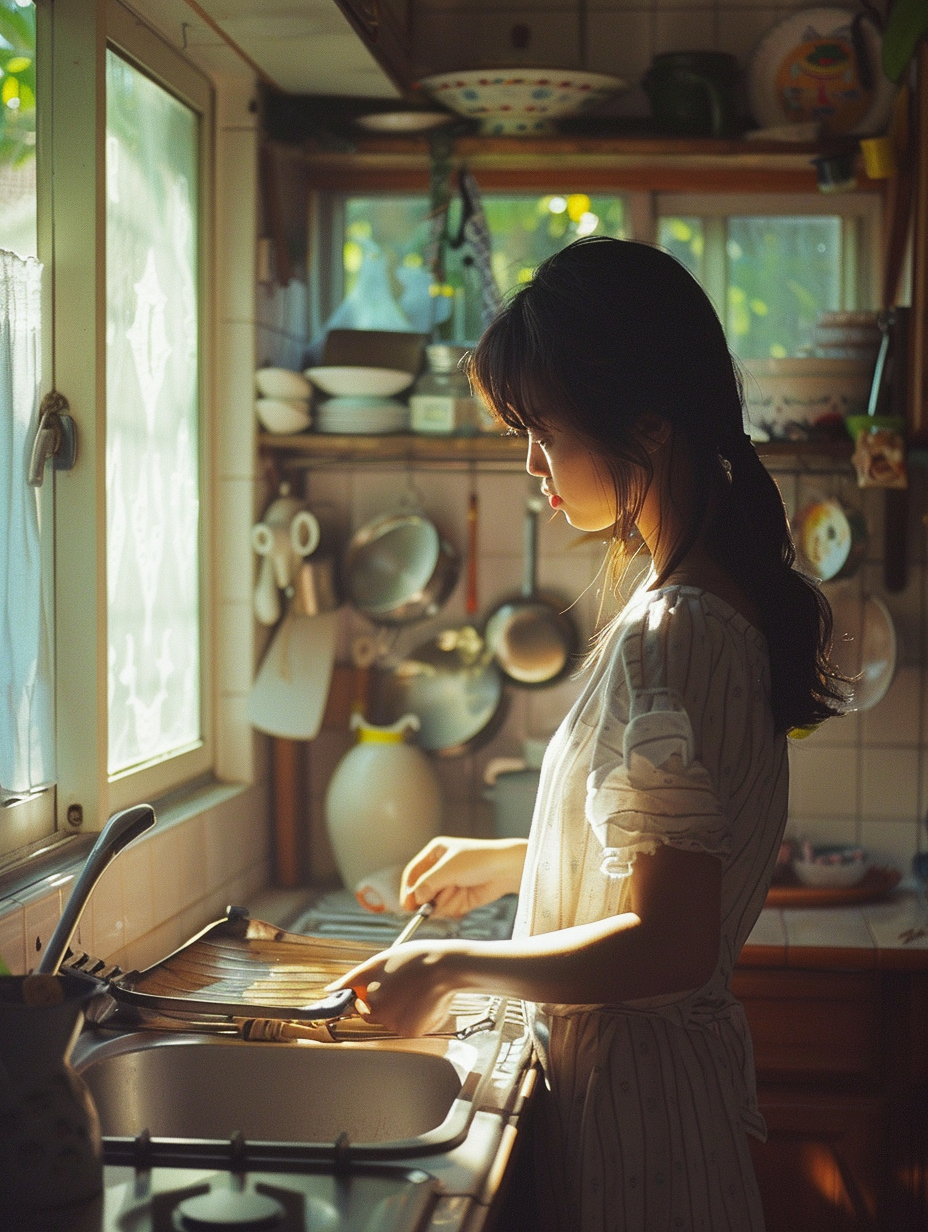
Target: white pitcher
(383,802)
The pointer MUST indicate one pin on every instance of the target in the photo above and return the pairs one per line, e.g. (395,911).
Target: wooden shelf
(312,449)
(551,163)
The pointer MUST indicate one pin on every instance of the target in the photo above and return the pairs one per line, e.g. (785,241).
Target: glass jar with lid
(441,403)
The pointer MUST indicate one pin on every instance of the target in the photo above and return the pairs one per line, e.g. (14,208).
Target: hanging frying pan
(530,637)
(864,645)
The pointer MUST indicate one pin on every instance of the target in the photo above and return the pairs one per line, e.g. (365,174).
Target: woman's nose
(536,463)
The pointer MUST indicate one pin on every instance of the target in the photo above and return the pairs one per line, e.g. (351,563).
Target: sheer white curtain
(26,728)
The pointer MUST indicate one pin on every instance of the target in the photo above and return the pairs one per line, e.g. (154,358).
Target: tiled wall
(859,779)
(622,35)
(160,891)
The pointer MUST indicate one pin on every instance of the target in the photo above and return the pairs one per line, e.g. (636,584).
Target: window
(121,199)
(772,265)
(383,238)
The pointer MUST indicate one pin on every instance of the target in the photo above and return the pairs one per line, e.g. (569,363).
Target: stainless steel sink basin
(193,1086)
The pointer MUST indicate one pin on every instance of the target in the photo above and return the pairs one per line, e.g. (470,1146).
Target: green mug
(694,93)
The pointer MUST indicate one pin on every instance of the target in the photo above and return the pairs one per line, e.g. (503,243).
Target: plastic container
(383,802)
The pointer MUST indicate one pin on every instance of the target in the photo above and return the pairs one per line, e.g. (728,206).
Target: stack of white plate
(370,416)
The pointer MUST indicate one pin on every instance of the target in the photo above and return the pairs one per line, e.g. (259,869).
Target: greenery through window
(17,128)
(769,276)
(386,237)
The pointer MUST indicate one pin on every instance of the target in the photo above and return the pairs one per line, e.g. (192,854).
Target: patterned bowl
(520,101)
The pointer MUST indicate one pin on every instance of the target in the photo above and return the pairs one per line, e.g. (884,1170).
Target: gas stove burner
(223,1210)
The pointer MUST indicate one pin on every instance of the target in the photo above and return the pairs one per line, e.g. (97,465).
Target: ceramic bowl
(283,415)
(833,866)
(282,383)
(356,382)
(804,399)
(520,101)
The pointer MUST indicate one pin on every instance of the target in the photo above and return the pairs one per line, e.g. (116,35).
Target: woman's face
(574,480)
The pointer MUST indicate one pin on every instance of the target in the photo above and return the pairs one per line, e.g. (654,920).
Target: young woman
(663,794)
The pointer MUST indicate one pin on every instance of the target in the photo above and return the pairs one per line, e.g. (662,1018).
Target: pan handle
(530,547)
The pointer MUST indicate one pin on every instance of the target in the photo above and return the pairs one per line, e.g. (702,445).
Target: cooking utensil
(530,637)
(863,644)
(399,568)
(289,694)
(118,833)
(454,687)
(831,538)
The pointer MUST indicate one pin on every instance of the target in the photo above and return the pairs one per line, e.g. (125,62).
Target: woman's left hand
(407,989)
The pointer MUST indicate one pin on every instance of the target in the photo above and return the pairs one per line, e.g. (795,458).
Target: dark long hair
(611,336)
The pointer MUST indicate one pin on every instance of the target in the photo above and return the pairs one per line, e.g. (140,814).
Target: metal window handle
(55,437)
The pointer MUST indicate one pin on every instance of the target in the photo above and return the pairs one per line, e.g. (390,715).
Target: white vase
(383,802)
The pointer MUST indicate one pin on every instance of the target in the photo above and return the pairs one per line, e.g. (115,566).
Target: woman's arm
(667,943)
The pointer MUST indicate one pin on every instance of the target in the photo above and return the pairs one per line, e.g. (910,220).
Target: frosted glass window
(152,400)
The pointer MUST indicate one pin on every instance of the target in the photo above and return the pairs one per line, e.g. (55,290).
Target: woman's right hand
(458,874)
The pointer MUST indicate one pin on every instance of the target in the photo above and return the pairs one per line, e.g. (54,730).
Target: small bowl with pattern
(833,865)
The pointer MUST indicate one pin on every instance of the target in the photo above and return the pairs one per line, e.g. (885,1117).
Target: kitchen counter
(866,937)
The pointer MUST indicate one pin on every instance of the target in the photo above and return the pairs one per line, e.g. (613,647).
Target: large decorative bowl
(520,101)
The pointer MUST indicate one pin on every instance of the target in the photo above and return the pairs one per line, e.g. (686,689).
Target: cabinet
(842,1085)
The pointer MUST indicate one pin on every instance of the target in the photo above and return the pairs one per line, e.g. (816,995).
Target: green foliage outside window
(17,127)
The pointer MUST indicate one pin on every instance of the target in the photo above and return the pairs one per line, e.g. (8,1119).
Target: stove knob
(224,1210)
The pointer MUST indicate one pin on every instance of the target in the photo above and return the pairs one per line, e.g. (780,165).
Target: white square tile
(683,29)
(895,720)
(891,843)
(235,423)
(13,936)
(501,513)
(823,782)
(236,223)
(109,925)
(235,559)
(840,731)
(41,911)
(619,42)
(236,758)
(235,646)
(821,830)
(889,784)
(139,901)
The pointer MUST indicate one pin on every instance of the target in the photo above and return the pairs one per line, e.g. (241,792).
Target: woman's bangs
(512,381)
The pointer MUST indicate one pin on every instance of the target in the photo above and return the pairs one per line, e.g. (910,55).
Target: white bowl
(818,872)
(360,382)
(282,383)
(805,399)
(520,101)
(283,415)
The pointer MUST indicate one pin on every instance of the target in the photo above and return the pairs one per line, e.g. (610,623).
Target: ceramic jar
(383,802)
(51,1157)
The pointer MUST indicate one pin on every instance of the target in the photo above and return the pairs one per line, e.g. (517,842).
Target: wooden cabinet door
(820,1169)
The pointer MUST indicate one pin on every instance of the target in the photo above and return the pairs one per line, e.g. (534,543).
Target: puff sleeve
(645,785)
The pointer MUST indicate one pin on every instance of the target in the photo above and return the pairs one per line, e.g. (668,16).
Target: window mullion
(79,359)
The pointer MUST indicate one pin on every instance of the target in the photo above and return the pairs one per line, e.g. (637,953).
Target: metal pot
(532,640)
(452,685)
(399,569)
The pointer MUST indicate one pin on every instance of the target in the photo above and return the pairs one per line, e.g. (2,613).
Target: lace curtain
(26,708)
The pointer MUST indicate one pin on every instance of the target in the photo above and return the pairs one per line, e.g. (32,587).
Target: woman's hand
(458,874)
(407,989)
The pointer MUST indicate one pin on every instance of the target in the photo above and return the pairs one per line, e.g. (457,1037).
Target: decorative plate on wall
(806,70)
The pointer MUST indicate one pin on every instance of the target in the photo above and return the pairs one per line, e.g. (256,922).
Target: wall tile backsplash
(860,778)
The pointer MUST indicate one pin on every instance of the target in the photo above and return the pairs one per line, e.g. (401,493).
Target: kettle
(693,93)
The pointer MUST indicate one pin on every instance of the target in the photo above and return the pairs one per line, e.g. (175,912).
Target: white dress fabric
(672,741)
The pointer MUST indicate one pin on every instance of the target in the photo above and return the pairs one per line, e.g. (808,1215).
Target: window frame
(81,33)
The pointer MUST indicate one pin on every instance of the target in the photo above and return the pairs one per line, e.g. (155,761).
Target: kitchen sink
(400,1093)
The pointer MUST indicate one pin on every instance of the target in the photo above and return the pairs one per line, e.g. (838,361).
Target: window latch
(55,438)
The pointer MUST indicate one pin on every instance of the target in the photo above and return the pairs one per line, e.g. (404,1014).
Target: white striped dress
(642,1125)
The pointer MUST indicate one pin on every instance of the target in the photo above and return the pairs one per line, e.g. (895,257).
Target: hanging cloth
(475,232)
(26,710)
